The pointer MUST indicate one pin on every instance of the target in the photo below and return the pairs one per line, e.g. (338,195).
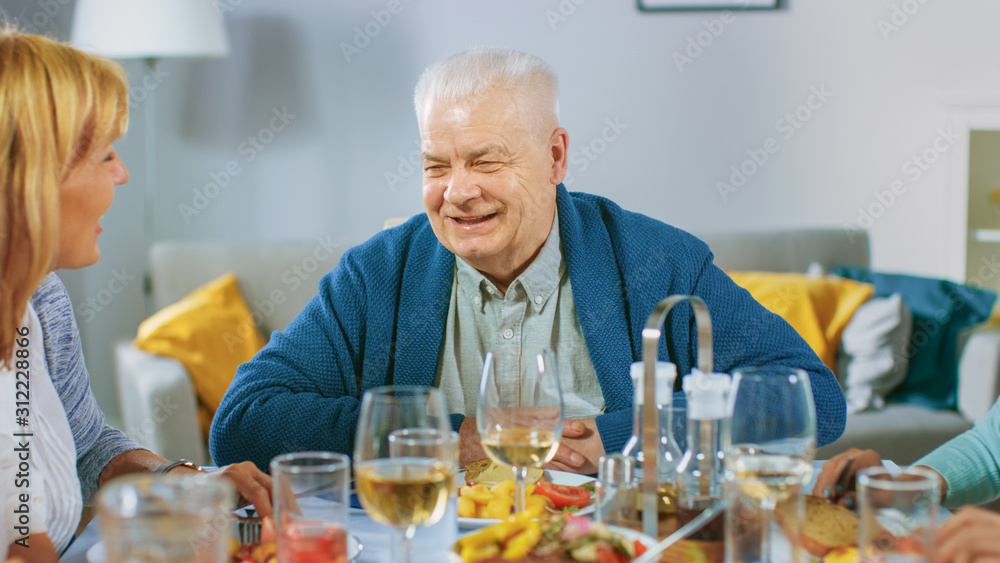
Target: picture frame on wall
(707,5)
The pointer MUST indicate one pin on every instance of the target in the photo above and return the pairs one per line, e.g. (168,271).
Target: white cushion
(872,361)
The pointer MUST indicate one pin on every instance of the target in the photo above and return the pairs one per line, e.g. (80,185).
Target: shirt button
(538,300)
(477,300)
(508,334)
(491,291)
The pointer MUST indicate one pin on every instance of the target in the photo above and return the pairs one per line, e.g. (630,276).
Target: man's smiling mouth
(473,220)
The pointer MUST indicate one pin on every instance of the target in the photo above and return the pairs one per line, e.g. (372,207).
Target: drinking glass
(166,518)
(520,411)
(405,460)
(310,506)
(770,443)
(898,513)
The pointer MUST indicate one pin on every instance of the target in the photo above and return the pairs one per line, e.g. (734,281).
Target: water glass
(771,438)
(898,513)
(310,491)
(166,518)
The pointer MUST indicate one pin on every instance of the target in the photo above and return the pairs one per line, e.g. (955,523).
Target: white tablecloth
(429,545)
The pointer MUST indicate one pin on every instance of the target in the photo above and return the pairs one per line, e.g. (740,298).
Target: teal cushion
(941,310)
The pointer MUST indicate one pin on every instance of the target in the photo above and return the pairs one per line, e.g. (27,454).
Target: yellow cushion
(818,308)
(210,332)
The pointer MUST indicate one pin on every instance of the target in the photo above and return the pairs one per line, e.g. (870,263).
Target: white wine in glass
(405,459)
(520,414)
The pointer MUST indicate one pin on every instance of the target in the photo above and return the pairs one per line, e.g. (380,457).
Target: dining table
(431,544)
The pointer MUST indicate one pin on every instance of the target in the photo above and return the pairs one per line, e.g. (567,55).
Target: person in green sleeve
(968,467)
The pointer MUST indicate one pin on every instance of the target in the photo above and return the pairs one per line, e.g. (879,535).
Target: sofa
(159,406)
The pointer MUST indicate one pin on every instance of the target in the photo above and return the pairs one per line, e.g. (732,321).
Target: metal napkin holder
(650,419)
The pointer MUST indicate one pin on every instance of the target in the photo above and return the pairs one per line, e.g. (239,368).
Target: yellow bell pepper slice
(517,548)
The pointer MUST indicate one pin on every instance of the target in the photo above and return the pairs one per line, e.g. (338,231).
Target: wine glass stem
(520,496)
(767,518)
(402,548)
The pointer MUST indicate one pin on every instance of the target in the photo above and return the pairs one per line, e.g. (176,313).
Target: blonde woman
(60,111)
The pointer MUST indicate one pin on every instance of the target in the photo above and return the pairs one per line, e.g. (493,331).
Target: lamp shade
(141,29)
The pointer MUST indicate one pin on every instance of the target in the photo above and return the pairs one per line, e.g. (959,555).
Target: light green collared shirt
(537,311)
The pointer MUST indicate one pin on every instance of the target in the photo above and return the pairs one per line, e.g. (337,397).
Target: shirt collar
(539,280)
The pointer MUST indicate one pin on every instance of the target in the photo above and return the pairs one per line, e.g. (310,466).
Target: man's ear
(559,147)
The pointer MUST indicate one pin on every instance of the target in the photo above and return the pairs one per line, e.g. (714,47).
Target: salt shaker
(618,492)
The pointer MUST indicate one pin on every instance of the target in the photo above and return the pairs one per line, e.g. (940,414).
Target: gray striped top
(96,442)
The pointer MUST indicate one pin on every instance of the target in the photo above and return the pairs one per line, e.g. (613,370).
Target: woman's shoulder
(51,288)
(51,302)
(55,312)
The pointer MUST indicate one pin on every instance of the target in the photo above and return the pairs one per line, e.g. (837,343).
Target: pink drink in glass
(312,542)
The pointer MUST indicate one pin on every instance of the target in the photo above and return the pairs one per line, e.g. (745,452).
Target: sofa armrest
(158,403)
(979,373)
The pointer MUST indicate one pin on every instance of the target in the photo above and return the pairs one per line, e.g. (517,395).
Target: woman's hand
(40,550)
(837,478)
(253,485)
(970,535)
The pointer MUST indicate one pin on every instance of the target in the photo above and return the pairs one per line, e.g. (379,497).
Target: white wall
(325,173)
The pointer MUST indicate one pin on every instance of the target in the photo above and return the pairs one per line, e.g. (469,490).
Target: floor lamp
(149,30)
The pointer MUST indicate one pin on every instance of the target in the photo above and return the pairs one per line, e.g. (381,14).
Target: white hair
(470,74)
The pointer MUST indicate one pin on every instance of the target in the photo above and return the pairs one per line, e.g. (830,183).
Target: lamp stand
(149,204)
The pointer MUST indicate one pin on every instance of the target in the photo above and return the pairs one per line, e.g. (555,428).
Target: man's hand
(580,447)
(853,460)
(469,448)
(578,451)
(969,535)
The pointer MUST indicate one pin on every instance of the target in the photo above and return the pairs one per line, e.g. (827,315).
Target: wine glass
(520,411)
(771,440)
(405,460)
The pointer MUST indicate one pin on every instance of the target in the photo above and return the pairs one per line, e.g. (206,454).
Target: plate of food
(554,537)
(830,533)
(267,552)
(487,495)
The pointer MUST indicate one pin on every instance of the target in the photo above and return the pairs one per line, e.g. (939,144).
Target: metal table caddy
(650,424)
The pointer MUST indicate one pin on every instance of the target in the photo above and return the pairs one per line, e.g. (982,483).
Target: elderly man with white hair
(504,256)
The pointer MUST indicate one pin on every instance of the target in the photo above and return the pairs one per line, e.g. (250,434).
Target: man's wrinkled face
(488,183)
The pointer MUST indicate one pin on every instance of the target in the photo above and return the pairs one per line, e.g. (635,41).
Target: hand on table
(579,448)
(252,484)
(970,535)
(844,494)
(469,448)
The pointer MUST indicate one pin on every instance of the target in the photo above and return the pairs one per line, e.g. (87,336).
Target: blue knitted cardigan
(379,318)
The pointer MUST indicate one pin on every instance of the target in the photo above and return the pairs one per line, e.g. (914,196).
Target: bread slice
(828,526)
(476,468)
(489,472)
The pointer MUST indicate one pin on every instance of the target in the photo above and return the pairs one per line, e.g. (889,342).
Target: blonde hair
(470,74)
(57,104)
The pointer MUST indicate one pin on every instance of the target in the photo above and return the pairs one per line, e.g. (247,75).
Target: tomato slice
(605,555)
(639,548)
(563,495)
